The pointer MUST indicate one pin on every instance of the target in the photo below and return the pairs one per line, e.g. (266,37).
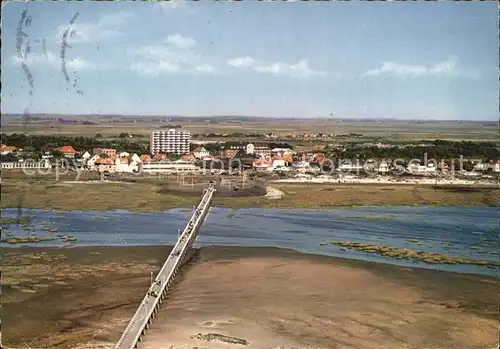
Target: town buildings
(5,149)
(43,164)
(168,167)
(67,151)
(230,151)
(258,150)
(172,141)
(105,151)
(417,169)
(201,153)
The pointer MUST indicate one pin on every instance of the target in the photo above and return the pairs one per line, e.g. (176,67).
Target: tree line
(36,145)
(439,150)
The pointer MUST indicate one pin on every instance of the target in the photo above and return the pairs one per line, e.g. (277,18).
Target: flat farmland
(388,130)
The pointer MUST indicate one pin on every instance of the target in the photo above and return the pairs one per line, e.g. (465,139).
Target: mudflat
(240,297)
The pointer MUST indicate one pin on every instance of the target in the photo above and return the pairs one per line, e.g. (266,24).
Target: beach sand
(267,297)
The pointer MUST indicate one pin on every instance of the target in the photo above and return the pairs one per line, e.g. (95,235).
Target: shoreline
(280,208)
(349,179)
(76,307)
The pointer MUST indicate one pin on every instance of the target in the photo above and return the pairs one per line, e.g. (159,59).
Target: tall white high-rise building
(174,141)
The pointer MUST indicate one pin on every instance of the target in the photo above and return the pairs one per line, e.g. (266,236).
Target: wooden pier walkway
(151,303)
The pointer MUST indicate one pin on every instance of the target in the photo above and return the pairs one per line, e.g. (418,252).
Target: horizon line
(328,118)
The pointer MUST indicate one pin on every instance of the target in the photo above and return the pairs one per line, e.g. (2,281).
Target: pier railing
(157,292)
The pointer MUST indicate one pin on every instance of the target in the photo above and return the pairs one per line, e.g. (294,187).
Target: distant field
(387,130)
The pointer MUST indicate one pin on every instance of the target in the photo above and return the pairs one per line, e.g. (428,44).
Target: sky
(400,60)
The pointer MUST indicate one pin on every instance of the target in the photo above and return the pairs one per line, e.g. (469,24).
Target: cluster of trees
(353,135)
(439,150)
(122,135)
(36,145)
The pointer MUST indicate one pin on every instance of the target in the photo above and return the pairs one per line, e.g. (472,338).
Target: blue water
(461,232)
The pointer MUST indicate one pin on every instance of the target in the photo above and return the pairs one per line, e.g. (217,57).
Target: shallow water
(461,232)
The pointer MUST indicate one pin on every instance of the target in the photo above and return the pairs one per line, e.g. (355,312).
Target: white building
(201,153)
(485,166)
(260,150)
(282,151)
(262,165)
(418,169)
(127,163)
(172,141)
(168,167)
(44,163)
(4,149)
(279,164)
(86,156)
(350,167)
(383,167)
(90,162)
(302,166)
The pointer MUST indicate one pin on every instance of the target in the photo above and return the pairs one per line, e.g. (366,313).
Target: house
(106,165)
(200,153)
(496,166)
(230,151)
(47,155)
(258,149)
(301,166)
(481,166)
(67,150)
(318,158)
(122,164)
(278,163)
(90,163)
(187,157)
(418,169)
(144,158)
(383,167)
(125,162)
(262,165)
(307,157)
(5,149)
(209,158)
(443,166)
(471,173)
(348,167)
(282,152)
(135,157)
(86,156)
(160,157)
(105,151)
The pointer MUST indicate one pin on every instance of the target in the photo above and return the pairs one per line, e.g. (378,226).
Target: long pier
(157,292)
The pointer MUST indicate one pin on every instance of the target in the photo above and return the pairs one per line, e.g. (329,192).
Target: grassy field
(389,130)
(149,194)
